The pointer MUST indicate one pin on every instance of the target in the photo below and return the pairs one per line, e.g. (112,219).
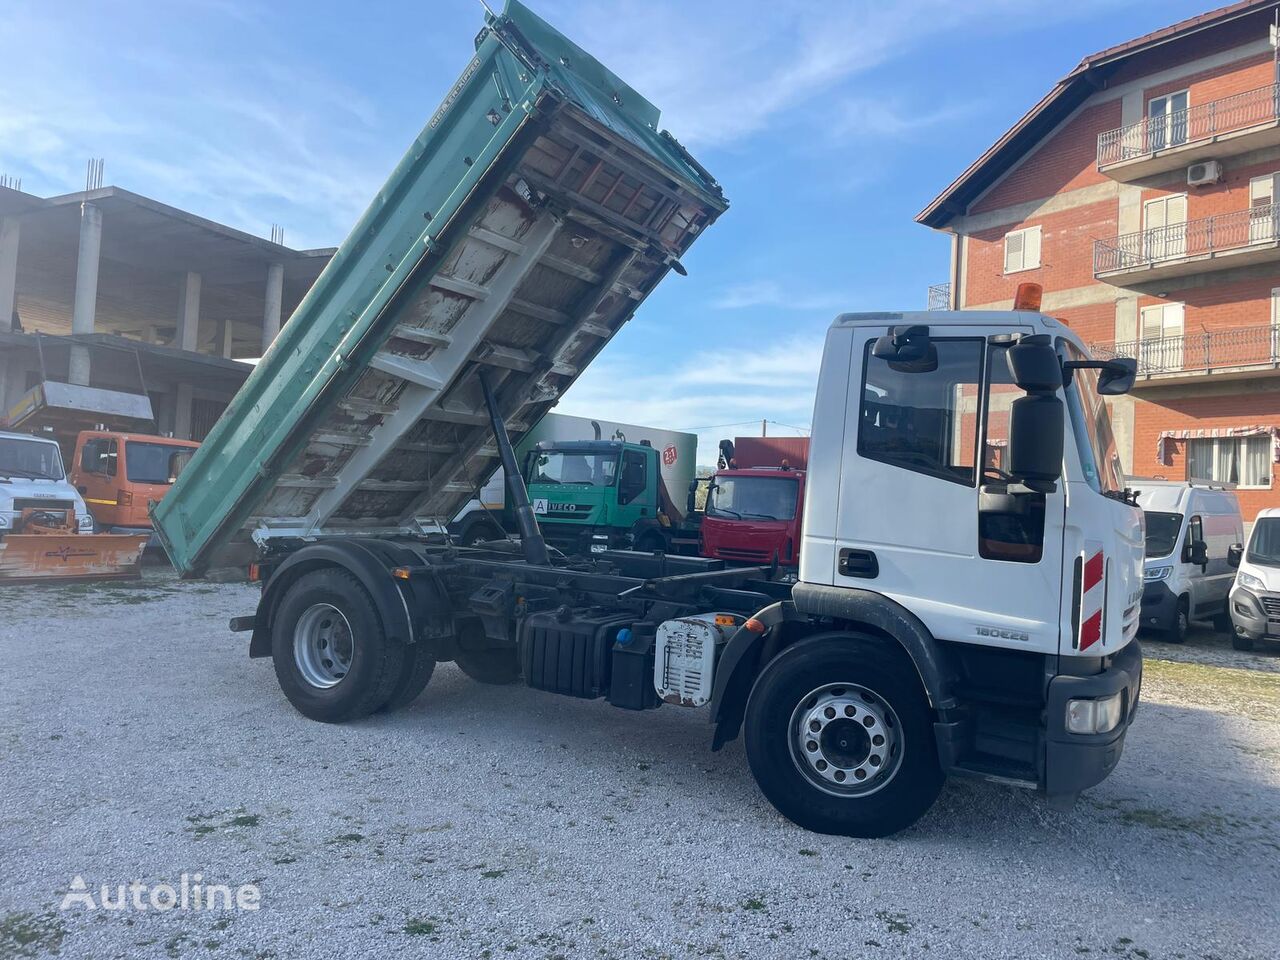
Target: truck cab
(118,474)
(597,495)
(755,501)
(34,482)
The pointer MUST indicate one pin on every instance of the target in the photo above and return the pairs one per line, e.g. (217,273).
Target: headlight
(1156,573)
(86,522)
(1094,716)
(1249,582)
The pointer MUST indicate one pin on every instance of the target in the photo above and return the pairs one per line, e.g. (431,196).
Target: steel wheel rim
(322,646)
(846,740)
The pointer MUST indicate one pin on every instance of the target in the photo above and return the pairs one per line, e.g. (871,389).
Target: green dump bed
(528,221)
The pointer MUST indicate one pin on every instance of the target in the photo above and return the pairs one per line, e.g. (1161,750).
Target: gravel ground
(137,742)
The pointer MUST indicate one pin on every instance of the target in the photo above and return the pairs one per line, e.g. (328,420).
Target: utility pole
(764,428)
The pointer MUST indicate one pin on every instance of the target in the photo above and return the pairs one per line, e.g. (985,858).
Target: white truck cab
(1255,595)
(32,477)
(1191,528)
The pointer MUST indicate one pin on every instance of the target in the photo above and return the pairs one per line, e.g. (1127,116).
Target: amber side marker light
(754,625)
(400,573)
(255,573)
(1028,296)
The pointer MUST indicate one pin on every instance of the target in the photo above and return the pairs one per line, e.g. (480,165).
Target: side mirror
(1035,441)
(1117,377)
(1034,364)
(691,504)
(1235,553)
(1199,553)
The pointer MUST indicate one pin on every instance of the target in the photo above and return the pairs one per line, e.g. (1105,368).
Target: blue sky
(829,124)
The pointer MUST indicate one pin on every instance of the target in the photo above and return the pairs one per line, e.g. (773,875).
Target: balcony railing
(1254,346)
(940,296)
(1199,122)
(1237,230)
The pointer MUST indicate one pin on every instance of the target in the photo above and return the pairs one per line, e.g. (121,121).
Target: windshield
(1091,423)
(1162,532)
(590,469)
(1264,545)
(753,498)
(30,459)
(155,462)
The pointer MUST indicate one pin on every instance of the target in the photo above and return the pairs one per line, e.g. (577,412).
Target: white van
(31,476)
(1255,598)
(1191,529)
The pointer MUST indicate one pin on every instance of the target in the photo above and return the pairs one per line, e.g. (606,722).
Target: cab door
(96,469)
(926,515)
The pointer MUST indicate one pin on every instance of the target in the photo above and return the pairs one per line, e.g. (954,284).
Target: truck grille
(755,556)
(39,503)
(1272,606)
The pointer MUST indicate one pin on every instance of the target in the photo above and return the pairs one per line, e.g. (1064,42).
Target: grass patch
(419,927)
(203,824)
(754,904)
(27,934)
(348,838)
(894,922)
(1253,693)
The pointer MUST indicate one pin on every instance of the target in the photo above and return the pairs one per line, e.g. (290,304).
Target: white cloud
(769,293)
(715,393)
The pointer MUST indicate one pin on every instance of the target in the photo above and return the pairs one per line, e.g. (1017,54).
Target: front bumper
(1073,761)
(1159,606)
(1249,616)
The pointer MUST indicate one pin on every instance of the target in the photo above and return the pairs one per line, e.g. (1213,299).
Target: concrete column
(188,337)
(86,296)
(182,411)
(9,232)
(274,299)
(225,338)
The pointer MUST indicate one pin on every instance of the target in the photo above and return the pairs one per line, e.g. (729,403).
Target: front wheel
(839,737)
(1177,633)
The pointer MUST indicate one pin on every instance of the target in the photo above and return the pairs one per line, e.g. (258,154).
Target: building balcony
(1234,353)
(1232,125)
(1209,244)
(939,296)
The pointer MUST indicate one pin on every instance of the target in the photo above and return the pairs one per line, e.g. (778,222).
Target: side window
(99,456)
(923,417)
(633,479)
(1011,518)
(1195,534)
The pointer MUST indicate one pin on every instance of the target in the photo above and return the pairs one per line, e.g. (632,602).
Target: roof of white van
(945,318)
(7,435)
(1172,496)
(1267,512)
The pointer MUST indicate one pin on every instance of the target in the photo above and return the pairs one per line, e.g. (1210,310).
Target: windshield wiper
(759,516)
(725,511)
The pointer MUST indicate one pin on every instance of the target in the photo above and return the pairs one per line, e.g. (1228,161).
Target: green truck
(596,485)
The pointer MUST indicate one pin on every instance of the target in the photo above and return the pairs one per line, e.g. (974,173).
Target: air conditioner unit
(1199,174)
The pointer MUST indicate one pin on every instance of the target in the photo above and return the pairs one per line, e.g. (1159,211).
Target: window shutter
(1261,192)
(1031,248)
(1173,315)
(1013,251)
(1176,211)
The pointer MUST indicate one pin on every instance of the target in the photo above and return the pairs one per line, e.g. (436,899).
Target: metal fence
(1226,231)
(1199,122)
(940,296)
(1198,352)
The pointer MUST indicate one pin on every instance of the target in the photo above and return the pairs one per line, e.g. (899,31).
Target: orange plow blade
(40,558)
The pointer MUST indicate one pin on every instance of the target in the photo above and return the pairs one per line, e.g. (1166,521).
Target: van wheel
(414,677)
(1241,643)
(1222,621)
(332,658)
(1181,623)
(840,739)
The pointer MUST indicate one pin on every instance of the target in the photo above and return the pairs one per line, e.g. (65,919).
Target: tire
(877,685)
(1181,623)
(1222,623)
(414,677)
(1243,644)
(325,612)
(650,543)
(480,532)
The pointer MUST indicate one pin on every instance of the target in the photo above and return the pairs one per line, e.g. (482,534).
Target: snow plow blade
(49,558)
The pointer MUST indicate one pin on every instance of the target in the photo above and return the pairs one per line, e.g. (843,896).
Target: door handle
(858,563)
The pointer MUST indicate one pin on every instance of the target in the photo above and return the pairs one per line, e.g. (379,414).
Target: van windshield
(155,462)
(1264,545)
(1099,457)
(754,498)
(1162,532)
(30,459)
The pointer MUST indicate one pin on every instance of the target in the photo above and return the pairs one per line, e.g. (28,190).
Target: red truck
(755,502)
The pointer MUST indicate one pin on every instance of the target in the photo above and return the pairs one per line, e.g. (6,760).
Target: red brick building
(1141,192)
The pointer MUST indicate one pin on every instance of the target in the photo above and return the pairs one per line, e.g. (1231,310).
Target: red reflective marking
(1093,572)
(1091,631)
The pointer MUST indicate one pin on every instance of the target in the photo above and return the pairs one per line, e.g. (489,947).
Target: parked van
(119,473)
(1255,598)
(1192,527)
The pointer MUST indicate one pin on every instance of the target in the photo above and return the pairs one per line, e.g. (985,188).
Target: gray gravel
(137,741)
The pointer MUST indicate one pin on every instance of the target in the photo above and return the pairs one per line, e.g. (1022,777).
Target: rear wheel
(840,739)
(1239,642)
(332,657)
(480,532)
(414,677)
(650,542)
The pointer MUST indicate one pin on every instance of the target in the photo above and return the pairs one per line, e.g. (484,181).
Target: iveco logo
(1003,634)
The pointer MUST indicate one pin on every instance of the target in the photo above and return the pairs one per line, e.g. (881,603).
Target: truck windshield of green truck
(753,498)
(588,469)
